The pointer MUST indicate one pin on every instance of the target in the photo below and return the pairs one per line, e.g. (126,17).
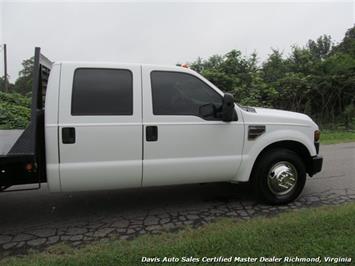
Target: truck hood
(267,115)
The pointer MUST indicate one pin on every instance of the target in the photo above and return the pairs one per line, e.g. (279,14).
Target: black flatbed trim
(12,158)
(24,144)
(25,162)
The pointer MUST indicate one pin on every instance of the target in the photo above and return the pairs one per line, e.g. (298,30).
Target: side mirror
(228,108)
(207,110)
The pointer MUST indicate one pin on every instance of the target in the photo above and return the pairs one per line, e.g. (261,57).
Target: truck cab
(113,126)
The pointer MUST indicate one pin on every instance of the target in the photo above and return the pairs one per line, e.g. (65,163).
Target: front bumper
(316,145)
(315,165)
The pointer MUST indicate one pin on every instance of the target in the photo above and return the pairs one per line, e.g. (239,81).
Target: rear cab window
(102,92)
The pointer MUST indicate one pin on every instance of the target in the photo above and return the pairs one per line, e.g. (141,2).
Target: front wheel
(279,176)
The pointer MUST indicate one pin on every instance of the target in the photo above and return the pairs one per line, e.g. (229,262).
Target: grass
(326,231)
(333,137)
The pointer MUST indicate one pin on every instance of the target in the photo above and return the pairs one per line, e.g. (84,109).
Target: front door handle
(68,135)
(151,133)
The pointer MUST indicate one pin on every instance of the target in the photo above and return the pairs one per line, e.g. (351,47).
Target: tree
(2,85)
(23,84)
(275,67)
(318,78)
(320,48)
(347,45)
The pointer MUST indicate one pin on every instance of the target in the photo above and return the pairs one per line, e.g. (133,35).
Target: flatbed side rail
(25,162)
(40,78)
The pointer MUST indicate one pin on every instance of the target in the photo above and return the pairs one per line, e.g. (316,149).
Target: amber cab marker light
(29,167)
(316,135)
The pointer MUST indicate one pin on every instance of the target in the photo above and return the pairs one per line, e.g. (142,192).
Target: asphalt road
(38,219)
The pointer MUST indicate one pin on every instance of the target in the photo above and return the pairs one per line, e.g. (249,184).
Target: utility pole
(5,70)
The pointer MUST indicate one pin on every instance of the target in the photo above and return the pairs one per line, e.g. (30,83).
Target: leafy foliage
(15,107)
(15,99)
(318,79)
(14,110)
(23,83)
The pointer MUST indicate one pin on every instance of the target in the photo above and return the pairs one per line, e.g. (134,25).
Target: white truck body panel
(281,126)
(51,129)
(190,149)
(108,150)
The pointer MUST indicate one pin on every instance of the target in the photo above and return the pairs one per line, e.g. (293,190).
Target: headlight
(316,135)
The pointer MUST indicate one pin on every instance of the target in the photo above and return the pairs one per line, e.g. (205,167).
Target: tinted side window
(176,93)
(99,91)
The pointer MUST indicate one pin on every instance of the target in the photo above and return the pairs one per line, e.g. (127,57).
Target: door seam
(142,113)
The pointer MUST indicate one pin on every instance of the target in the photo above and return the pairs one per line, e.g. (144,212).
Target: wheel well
(294,146)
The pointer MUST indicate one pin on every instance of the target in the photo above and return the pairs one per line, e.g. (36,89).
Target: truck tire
(279,176)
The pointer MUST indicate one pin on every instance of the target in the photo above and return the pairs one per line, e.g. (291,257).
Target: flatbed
(25,161)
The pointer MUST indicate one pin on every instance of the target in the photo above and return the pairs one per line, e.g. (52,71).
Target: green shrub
(15,98)
(15,111)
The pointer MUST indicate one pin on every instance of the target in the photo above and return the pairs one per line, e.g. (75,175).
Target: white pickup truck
(112,126)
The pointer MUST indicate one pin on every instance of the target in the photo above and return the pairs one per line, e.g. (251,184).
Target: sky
(163,33)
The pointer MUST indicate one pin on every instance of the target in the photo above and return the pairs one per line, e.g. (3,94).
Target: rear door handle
(151,133)
(68,135)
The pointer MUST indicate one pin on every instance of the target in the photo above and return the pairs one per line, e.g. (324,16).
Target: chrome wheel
(282,178)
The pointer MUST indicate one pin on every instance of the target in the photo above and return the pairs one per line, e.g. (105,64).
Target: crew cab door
(180,146)
(100,127)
